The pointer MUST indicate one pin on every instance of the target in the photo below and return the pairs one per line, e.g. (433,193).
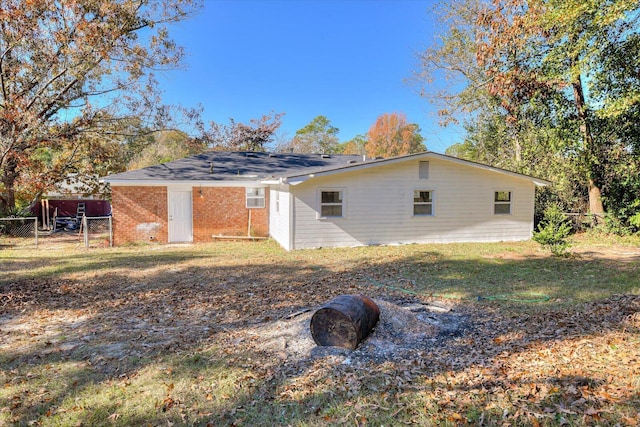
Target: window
(277,201)
(331,203)
(255,197)
(422,202)
(502,203)
(423,170)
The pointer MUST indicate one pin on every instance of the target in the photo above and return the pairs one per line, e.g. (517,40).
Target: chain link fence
(64,233)
(19,231)
(97,231)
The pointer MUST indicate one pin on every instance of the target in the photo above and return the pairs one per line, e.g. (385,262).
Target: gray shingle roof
(237,166)
(219,166)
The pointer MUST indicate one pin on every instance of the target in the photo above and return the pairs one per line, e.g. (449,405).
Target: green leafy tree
(547,86)
(579,35)
(319,136)
(69,71)
(355,146)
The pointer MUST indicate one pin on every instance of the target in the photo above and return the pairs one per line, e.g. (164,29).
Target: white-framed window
(423,202)
(276,198)
(502,202)
(423,170)
(331,203)
(255,197)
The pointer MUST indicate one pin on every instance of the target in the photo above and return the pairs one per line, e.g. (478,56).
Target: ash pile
(404,330)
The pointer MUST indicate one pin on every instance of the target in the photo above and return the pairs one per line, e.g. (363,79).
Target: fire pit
(345,321)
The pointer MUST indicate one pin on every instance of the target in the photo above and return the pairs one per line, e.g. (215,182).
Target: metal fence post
(110,232)
(85,227)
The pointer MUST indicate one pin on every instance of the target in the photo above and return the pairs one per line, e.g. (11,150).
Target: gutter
(286,181)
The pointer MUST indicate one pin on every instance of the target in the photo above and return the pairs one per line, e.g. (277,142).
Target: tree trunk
(591,158)
(8,195)
(595,201)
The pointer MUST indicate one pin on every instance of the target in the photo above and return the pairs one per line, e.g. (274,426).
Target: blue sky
(347,60)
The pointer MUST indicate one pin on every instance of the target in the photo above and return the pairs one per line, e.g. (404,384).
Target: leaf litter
(467,361)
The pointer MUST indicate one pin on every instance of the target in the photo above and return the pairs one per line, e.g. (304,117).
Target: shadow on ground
(96,324)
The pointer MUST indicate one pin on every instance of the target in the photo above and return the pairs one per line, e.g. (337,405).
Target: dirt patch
(401,330)
(624,255)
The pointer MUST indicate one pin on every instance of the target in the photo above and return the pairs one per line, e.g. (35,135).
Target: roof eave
(193,183)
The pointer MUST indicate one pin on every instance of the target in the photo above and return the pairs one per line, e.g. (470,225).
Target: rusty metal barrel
(345,321)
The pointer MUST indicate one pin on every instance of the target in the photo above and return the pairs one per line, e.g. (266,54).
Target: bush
(613,225)
(635,221)
(15,212)
(553,231)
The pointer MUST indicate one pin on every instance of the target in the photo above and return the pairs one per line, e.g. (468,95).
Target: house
(312,200)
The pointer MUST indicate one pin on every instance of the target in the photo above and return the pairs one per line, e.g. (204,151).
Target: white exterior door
(180,217)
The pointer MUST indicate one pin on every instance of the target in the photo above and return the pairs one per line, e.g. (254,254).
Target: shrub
(553,231)
(635,221)
(613,225)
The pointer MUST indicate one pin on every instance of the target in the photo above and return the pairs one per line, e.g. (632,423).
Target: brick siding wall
(139,214)
(222,211)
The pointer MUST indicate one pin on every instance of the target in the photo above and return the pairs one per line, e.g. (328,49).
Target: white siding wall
(378,207)
(279,224)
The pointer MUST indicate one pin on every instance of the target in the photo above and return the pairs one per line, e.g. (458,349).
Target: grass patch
(153,335)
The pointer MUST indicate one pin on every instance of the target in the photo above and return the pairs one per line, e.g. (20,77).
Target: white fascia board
(540,182)
(275,181)
(149,183)
(298,179)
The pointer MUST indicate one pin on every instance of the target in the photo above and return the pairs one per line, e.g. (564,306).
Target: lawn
(216,334)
